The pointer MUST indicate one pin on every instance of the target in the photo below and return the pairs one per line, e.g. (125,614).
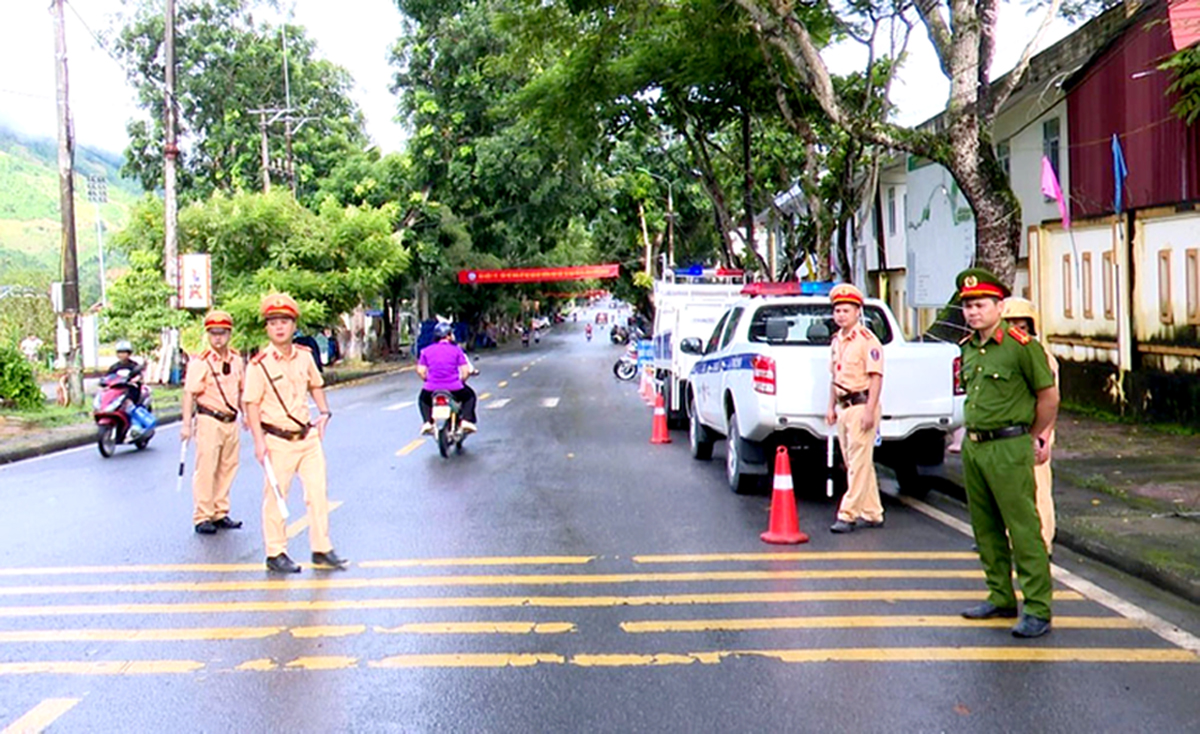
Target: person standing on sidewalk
(856,366)
(1020,313)
(213,390)
(1010,396)
(279,380)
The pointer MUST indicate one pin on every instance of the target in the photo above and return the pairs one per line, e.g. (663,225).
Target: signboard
(195,289)
(537,275)
(941,234)
(645,352)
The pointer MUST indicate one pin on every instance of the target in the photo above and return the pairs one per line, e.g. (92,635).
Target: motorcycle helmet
(1021,308)
(442,330)
(124,346)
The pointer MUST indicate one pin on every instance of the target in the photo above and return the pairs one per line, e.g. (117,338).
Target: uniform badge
(875,354)
(970,281)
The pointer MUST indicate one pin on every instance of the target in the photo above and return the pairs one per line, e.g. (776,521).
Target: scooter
(626,368)
(446,412)
(588,331)
(118,420)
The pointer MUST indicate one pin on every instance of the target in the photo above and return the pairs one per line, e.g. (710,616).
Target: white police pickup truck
(762,381)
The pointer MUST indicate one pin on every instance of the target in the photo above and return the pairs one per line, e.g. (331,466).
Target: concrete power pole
(170,154)
(66,192)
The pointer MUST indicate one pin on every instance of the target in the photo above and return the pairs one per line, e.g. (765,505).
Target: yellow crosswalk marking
(258,567)
(1023,654)
(259,665)
(485,396)
(323,662)
(484,561)
(141,635)
(505,602)
(502,384)
(811,556)
(40,717)
(791,623)
(480,628)
(102,667)
(467,660)
(302,524)
(405,582)
(327,631)
(411,447)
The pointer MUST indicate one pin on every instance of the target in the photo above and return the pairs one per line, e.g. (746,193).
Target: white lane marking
(40,717)
(496,404)
(549,402)
(1127,609)
(401,406)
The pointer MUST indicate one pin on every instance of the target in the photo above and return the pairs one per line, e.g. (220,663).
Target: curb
(87,433)
(1184,588)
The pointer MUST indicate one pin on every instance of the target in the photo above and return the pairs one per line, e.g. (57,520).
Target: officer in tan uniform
(856,365)
(279,380)
(1019,312)
(212,392)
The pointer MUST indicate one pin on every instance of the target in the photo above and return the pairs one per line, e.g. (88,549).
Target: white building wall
(1022,128)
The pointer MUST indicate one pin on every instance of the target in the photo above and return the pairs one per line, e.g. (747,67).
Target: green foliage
(18,385)
(139,305)
(1184,66)
(26,311)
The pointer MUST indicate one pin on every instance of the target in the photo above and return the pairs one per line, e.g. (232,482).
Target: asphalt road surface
(562,574)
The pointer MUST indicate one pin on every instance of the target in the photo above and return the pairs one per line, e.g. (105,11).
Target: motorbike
(118,420)
(524,338)
(447,414)
(588,332)
(626,368)
(618,335)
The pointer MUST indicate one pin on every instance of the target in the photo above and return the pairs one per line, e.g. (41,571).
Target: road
(562,574)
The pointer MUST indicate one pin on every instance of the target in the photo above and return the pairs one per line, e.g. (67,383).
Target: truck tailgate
(918,379)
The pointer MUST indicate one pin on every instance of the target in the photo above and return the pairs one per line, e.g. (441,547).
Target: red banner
(537,275)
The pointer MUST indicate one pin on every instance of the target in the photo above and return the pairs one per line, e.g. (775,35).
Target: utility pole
(98,194)
(66,193)
(170,154)
(287,121)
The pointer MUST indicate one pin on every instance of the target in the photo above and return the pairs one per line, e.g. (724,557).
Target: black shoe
(864,523)
(841,526)
(227,523)
(282,564)
(207,527)
(329,561)
(987,610)
(1030,627)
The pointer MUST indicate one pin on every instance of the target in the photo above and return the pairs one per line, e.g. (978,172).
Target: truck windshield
(812,323)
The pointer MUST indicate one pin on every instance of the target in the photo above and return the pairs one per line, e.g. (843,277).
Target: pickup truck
(762,381)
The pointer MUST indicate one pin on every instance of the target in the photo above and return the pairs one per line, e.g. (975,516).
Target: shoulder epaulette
(302,348)
(234,352)
(258,358)
(964,340)
(1021,337)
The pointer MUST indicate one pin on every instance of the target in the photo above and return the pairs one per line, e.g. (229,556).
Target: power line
(95,36)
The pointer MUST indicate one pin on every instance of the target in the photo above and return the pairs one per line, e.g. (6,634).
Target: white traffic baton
(279,502)
(829,465)
(182,459)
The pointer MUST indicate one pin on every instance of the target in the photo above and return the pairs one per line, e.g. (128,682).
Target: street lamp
(97,188)
(670,214)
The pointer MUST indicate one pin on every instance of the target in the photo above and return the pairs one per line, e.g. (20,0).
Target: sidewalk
(1128,496)
(18,445)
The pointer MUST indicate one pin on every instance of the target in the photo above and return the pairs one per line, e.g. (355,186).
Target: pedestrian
(1020,313)
(1011,403)
(212,394)
(279,381)
(335,352)
(856,367)
(30,346)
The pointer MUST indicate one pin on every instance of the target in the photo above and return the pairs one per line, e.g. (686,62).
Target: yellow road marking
(480,628)
(141,635)
(484,561)
(811,556)
(104,667)
(502,383)
(411,447)
(485,396)
(347,630)
(323,662)
(525,368)
(41,716)
(259,665)
(792,623)
(904,655)
(302,524)
(516,374)
(407,582)
(466,660)
(505,602)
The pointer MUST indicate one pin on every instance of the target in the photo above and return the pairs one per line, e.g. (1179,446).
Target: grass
(1091,411)
(57,416)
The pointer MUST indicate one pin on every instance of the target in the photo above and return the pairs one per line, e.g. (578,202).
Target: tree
(965,43)
(229,65)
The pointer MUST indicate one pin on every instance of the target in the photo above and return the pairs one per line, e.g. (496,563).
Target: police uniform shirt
(206,372)
(854,357)
(1002,377)
(292,376)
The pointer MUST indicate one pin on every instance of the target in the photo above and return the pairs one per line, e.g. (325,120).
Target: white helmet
(124,346)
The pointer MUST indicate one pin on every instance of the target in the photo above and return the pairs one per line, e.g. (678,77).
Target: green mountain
(30,228)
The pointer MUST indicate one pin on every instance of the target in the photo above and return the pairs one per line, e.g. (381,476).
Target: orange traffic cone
(785,525)
(646,389)
(659,434)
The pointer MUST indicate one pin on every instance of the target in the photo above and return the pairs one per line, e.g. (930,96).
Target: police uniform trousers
(1000,495)
(1044,478)
(306,459)
(216,465)
(861,500)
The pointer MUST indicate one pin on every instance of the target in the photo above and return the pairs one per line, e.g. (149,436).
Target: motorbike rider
(444,366)
(587,328)
(133,376)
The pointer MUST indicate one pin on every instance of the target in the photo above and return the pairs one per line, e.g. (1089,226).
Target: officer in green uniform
(1011,398)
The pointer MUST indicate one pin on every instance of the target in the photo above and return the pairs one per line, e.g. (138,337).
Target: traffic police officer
(1010,397)
(213,390)
(279,380)
(1020,313)
(856,364)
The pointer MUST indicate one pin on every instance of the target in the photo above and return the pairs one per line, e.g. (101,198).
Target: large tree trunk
(997,210)
(748,170)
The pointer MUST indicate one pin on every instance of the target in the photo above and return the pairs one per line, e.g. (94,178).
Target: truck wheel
(912,483)
(739,481)
(699,439)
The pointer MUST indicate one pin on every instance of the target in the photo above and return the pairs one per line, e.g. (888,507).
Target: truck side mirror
(691,345)
(778,328)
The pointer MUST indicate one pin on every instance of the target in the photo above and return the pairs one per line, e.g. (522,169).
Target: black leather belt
(1006,432)
(223,417)
(853,398)
(285,434)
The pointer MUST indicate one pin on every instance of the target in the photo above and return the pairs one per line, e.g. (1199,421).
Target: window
(892,210)
(1192,275)
(1087,284)
(1109,285)
(1165,313)
(813,323)
(1004,158)
(711,346)
(1067,291)
(734,318)
(1050,142)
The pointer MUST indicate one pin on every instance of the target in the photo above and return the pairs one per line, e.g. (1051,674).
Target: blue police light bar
(816,287)
(692,271)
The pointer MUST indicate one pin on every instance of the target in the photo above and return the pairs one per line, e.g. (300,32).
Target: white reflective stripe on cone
(783,483)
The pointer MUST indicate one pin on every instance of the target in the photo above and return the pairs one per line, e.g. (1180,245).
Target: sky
(356,34)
